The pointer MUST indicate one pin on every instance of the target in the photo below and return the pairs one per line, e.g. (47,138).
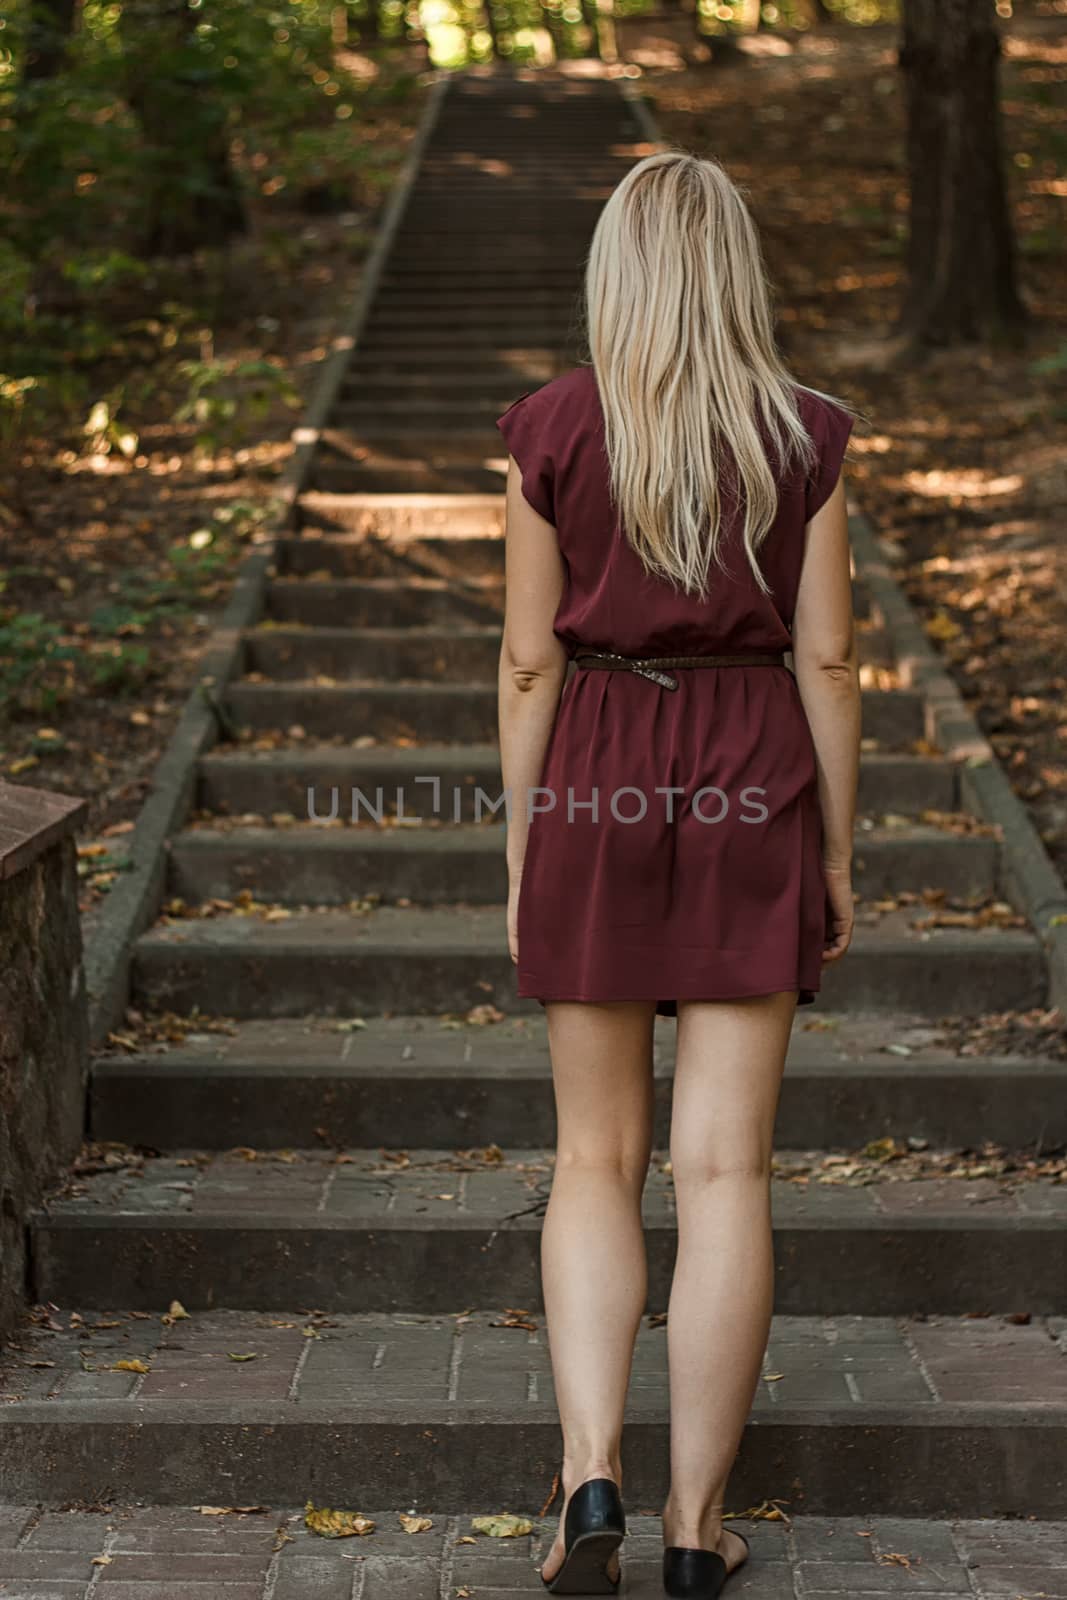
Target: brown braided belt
(650,666)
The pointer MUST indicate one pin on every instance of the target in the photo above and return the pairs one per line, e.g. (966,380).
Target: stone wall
(43,1039)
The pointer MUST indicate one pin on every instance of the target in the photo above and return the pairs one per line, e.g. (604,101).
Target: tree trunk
(194,197)
(961,274)
(822,11)
(554,24)
(374,20)
(50,25)
(492,30)
(591,19)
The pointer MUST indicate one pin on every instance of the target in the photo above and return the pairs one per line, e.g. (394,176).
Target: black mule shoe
(593,1530)
(696,1574)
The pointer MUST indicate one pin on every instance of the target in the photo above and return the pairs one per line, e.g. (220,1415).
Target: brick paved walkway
(160,1553)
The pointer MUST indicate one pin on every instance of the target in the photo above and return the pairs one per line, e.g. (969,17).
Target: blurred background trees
(143,139)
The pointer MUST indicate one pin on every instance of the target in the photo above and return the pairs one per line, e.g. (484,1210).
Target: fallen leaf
(176,1313)
(131,1365)
(336,1524)
(228,1511)
(413,1524)
(502,1526)
(235,1355)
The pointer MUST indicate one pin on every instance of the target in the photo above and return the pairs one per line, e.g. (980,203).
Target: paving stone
(990,1543)
(49,1589)
(14,1521)
(385,1579)
(163,1589)
(872,1577)
(17,1565)
(85,1531)
(315,1578)
(1050,1583)
(186,1568)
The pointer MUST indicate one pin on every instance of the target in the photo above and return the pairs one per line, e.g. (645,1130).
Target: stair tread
(458,928)
(273,1552)
(437,1368)
(462,756)
(461,837)
(418,1045)
(490,1189)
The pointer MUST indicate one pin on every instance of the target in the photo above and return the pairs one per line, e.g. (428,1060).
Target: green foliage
(133,162)
(223,396)
(1053,365)
(42,665)
(36,664)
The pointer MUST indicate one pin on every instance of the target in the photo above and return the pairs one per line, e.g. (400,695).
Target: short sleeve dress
(675,851)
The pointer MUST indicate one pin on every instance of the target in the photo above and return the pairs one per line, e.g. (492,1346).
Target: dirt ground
(120,565)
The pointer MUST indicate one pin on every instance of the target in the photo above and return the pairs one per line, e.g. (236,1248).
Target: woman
(680,825)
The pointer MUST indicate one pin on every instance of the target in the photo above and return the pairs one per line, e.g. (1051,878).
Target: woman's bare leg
(593,1263)
(728,1072)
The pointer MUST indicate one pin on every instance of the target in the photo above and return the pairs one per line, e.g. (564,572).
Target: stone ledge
(30,821)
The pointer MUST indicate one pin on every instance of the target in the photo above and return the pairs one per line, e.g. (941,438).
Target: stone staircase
(347,1184)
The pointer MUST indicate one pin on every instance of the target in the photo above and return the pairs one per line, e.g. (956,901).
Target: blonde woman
(681,814)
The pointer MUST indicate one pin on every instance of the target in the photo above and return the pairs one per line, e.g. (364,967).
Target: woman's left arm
(533,666)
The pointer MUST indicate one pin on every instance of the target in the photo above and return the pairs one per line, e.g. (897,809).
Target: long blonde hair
(678,322)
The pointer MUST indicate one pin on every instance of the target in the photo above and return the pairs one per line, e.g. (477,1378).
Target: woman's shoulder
(829,424)
(822,415)
(564,396)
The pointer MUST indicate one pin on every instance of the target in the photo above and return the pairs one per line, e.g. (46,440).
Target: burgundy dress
(690,895)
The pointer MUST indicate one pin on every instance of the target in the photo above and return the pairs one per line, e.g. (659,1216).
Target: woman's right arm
(826,665)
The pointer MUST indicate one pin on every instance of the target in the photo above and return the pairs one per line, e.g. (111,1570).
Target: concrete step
(461,654)
(375,469)
(475,554)
(467,712)
(237,782)
(437,602)
(519,362)
(540,332)
(447,1412)
(453,958)
(384,602)
(399,516)
(418,1081)
(270,1554)
(406,651)
(482,322)
(496,293)
(433,865)
(430,1230)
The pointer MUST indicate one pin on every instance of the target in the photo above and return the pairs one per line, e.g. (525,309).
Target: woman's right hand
(839,922)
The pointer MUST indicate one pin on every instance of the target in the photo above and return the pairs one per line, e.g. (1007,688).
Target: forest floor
(116,563)
(961,462)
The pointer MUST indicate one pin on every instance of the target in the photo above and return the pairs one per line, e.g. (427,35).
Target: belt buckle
(664,679)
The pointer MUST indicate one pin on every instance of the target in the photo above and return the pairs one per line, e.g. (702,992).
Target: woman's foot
(730,1546)
(554,1560)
